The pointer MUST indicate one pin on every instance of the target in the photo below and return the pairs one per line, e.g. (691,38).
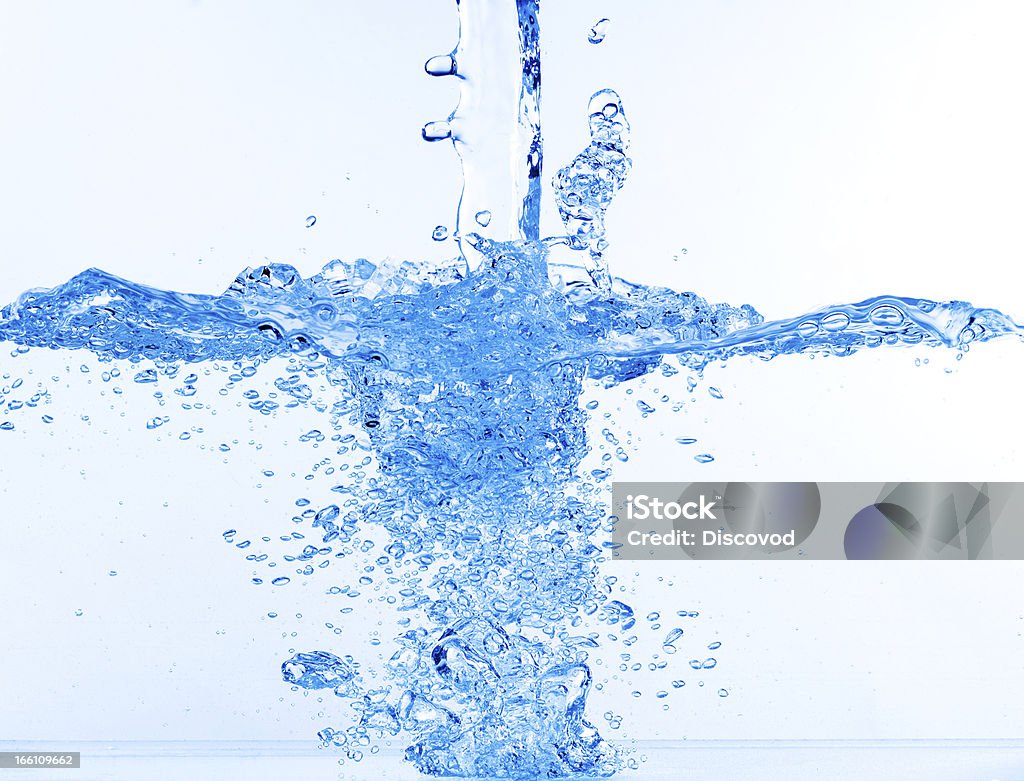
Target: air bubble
(440,65)
(436,131)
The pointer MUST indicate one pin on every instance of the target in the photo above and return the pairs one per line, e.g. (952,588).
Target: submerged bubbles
(317,670)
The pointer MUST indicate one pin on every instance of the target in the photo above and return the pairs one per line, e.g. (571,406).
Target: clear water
(454,410)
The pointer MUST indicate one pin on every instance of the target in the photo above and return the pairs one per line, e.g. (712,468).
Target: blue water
(464,385)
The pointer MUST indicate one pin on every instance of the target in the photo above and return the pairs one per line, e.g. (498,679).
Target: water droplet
(598,31)
(440,65)
(311,221)
(437,131)
(483,218)
(714,646)
(281,581)
(723,692)
(440,233)
(686,440)
(704,458)
(715,393)
(644,407)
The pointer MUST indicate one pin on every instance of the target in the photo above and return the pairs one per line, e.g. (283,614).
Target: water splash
(584,189)
(464,384)
(466,387)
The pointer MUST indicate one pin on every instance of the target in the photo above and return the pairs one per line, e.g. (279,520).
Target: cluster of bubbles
(454,399)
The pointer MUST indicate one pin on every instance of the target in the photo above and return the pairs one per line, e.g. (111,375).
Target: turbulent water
(465,385)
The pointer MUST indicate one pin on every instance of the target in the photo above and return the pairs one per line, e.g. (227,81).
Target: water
(454,413)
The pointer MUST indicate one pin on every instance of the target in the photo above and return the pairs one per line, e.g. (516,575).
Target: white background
(803,153)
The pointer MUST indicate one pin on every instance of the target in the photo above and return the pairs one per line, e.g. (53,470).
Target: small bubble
(598,31)
(835,322)
(483,218)
(311,221)
(686,440)
(440,233)
(715,393)
(436,131)
(704,458)
(723,692)
(886,315)
(440,65)
(672,636)
(281,581)
(79,612)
